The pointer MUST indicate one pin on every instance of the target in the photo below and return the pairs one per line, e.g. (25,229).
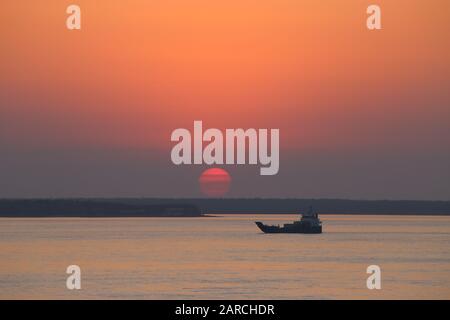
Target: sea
(225,257)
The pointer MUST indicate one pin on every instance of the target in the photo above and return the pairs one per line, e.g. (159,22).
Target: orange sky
(139,69)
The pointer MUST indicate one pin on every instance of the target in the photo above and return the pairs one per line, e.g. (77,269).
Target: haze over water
(225,257)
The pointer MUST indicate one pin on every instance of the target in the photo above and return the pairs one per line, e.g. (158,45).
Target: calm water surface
(225,257)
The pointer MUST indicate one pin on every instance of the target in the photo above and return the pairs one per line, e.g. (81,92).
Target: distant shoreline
(92,209)
(341,214)
(214,216)
(163,207)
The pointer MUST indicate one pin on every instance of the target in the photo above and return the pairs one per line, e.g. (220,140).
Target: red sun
(215,182)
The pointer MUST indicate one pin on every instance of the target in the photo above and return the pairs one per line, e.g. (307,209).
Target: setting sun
(215,182)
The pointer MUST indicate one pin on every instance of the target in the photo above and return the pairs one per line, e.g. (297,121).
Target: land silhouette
(196,207)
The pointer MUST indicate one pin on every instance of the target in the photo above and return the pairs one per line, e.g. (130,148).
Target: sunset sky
(362,114)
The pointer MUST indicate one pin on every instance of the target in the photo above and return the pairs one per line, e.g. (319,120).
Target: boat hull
(297,228)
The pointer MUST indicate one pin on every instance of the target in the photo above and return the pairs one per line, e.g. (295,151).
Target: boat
(308,223)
